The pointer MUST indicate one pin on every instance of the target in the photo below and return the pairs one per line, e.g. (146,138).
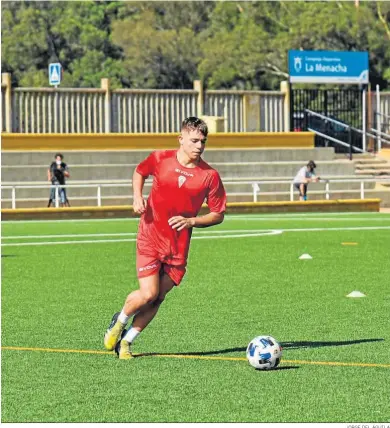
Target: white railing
(327,190)
(254,188)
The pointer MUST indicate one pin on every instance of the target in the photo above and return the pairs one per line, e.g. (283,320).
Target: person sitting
(304,176)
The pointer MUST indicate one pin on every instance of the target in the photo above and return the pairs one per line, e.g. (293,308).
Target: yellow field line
(68,351)
(196,357)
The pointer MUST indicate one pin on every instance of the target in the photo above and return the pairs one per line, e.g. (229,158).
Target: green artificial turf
(63,297)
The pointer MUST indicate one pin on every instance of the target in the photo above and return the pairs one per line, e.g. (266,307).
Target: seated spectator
(304,176)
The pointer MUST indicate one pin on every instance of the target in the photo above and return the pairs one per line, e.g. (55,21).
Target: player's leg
(62,197)
(148,312)
(302,191)
(144,317)
(147,293)
(52,197)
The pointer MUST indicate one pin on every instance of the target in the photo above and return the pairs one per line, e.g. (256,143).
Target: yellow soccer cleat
(123,350)
(114,332)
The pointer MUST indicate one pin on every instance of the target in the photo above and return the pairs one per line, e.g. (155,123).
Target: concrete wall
(23,167)
(76,157)
(99,172)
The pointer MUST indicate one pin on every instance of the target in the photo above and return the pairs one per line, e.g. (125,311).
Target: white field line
(253,233)
(92,235)
(98,241)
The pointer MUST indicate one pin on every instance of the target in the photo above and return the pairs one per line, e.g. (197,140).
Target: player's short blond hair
(194,123)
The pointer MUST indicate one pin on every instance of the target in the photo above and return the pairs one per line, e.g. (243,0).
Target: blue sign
(328,67)
(55,71)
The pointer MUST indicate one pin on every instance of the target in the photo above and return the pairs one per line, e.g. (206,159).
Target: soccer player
(304,176)
(182,182)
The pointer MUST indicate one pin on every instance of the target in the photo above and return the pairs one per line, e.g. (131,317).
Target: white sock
(131,334)
(123,318)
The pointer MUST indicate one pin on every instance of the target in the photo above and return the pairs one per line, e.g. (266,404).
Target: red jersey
(176,191)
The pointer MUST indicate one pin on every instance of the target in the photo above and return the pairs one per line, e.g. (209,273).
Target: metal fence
(380,108)
(231,106)
(101,110)
(272,117)
(151,110)
(46,110)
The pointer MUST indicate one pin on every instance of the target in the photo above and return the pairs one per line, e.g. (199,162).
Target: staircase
(372,167)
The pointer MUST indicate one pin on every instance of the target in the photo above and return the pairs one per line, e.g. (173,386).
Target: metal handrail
(254,184)
(335,140)
(382,114)
(322,116)
(348,128)
(380,133)
(313,113)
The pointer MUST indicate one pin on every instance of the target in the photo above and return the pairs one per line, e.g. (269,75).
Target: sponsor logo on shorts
(149,267)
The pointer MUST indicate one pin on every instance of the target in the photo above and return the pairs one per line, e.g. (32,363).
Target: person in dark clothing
(56,174)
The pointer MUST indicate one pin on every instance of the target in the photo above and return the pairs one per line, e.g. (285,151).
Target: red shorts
(151,264)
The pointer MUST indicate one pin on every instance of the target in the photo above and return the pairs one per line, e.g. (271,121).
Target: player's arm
(216,201)
(178,222)
(141,173)
(49,175)
(139,203)
(209,219)
(66,171)
(313,179)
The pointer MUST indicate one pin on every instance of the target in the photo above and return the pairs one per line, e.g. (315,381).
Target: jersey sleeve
(147,167)
(216,199)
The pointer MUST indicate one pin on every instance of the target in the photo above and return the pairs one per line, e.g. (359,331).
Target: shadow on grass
(285,345)
(278,368)
(308,344)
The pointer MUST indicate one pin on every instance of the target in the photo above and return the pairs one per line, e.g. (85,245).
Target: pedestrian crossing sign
(55,69)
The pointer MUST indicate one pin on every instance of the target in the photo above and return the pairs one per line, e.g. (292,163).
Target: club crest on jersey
(181,180)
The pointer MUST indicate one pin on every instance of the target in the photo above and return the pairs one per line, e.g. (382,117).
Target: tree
(259,34)
(73,33)
(169,44)
(161,42)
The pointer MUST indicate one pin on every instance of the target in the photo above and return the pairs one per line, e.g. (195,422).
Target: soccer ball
(264,353)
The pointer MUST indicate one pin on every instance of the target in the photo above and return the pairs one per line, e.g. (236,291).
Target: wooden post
(285,88)
(105,84)
(251,113)
(198,86)
(6,81)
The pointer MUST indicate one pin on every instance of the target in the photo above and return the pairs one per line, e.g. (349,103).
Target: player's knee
(160,299)
(149,296)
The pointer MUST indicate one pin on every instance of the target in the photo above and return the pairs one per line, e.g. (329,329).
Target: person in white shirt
(304,176)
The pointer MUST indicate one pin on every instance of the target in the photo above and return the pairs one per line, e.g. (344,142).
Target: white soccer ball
(264,353)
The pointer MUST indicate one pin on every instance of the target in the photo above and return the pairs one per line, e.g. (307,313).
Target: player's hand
(180,223)
(139,205)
